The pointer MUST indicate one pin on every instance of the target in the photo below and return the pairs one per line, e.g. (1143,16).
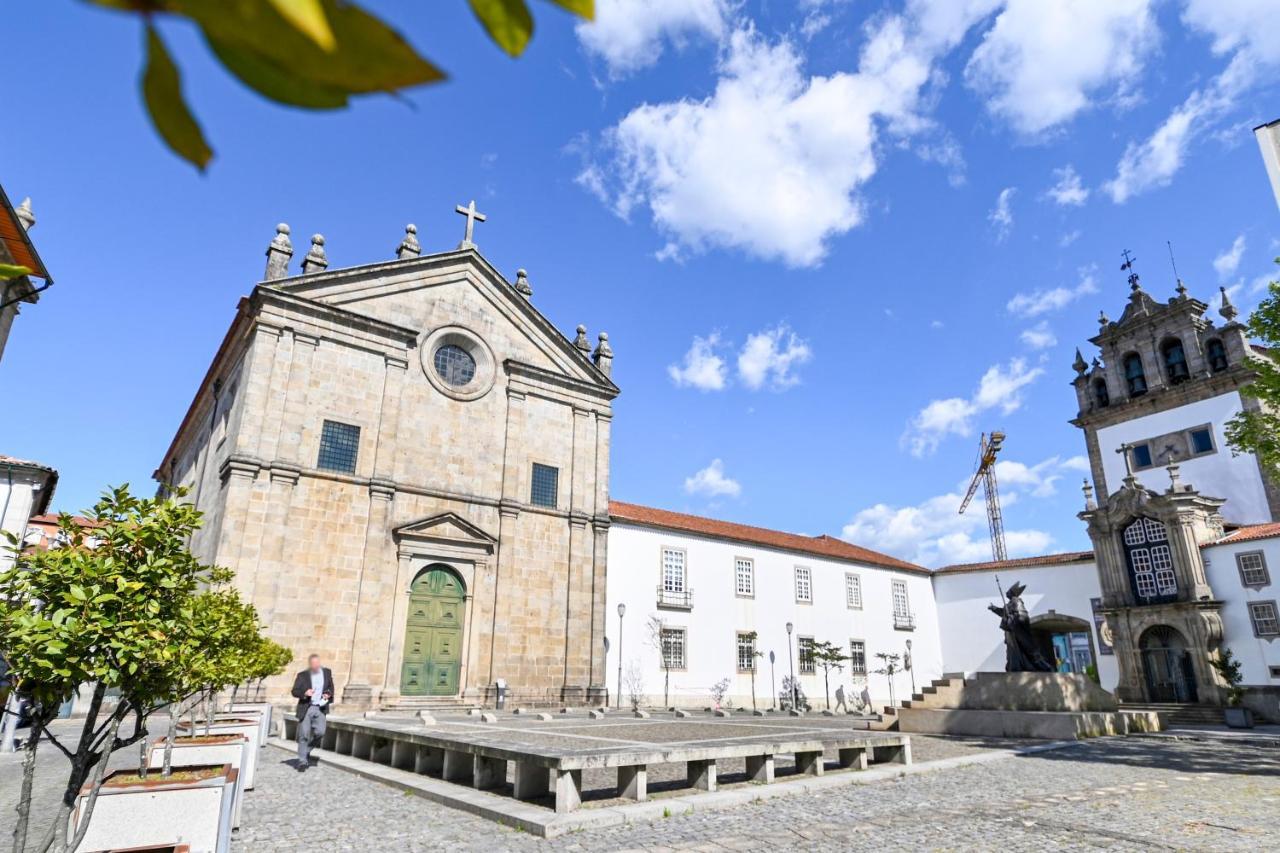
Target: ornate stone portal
(1156,598)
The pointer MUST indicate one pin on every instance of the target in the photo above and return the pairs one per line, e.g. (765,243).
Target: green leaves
(162,92)
(508,22)
(8,271)
(309,17)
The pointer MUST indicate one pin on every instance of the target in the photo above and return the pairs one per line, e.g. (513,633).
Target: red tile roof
(1020,563)
(1250,532)
(818,546)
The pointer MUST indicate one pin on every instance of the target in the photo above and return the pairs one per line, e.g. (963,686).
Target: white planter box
(200,752)
(263,708)
(239,726)
(160,812)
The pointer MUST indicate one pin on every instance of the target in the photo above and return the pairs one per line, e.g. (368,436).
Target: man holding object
(313,688)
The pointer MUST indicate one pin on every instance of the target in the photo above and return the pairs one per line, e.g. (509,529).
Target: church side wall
(1220,474)
(971,637)
(718,614)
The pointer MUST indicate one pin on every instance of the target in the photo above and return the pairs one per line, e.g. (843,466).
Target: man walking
(313,688)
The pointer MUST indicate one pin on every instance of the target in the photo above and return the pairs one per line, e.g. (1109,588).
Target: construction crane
(985,473)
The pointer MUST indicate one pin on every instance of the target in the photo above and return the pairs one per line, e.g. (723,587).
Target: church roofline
(1065,558)
(1247,533)
(828,547)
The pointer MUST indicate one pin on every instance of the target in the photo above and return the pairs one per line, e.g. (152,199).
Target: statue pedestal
(1046,705)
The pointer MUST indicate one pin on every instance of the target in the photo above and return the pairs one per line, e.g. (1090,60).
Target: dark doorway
(1166,665)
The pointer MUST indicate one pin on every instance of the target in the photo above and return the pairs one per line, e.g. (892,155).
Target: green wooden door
(433,635)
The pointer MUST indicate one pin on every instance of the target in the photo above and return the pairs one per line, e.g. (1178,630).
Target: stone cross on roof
(472,216)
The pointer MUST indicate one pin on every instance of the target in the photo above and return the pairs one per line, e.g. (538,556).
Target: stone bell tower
(1165,621)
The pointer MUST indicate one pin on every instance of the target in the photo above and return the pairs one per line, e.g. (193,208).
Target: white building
(25,490)
(713,583)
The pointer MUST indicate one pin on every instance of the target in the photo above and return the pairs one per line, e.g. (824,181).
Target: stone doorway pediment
(447,529)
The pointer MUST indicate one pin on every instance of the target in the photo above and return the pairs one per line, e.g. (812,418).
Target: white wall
(1254,653)
(971,637)
(718,614)
(19,492)
(1218,475)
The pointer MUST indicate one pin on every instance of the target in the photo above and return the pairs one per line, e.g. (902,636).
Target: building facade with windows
(715,598)
(406,465)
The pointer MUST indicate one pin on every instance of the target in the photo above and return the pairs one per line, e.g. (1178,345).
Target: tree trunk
(208,712)
(753,687)
(79,764)
(28,779)
(826,686)
(167,768)
(99,773)
(142,759)
(666,687)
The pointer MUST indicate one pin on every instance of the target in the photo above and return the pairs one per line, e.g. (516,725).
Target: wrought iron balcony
(904,622)
(681,599)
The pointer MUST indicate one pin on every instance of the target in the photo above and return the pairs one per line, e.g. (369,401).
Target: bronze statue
(1020,652)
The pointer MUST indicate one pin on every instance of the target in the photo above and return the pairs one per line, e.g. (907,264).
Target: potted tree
(830,657)
(1228,668)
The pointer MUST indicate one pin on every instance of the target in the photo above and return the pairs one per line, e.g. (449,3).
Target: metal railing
(681,599)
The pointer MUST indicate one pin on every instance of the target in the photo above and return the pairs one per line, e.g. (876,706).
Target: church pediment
(446,528)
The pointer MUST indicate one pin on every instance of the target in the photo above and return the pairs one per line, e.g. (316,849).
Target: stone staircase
(431,704)
(937,694)
(1173,714)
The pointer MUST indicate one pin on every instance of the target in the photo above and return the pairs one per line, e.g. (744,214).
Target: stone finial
(1089,502)
(522,284)
(1079,365)
(279,253)
(1227,310)
(1175,483)
(1097,363)
(603,356)
(409,247)
(1102,319)
(581,341)
(25,216)
(316,260)
(1182,290)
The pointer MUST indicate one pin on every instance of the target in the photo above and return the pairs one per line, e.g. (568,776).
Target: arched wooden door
(433,635)
(1166,663)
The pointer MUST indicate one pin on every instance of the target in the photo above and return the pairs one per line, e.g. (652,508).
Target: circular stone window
(457,363)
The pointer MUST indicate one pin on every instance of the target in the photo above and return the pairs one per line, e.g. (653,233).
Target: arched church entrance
(1065,640)
(433,634)
(1166,665)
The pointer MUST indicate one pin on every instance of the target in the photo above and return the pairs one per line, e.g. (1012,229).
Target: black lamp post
(791,661)
(907,664)
(622,611)
(773,680)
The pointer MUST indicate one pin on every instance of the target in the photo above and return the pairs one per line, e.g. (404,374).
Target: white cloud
(1070,237)
(769,357)
(1039,302)
(1042,63)
(1039,336)
(1068,191)
(711,482)
(1001,216)
(1000,388)
(1237,26)
(629,34)
(702,368)
(1228,261)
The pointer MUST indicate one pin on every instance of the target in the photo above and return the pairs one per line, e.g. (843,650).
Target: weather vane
(1128,265)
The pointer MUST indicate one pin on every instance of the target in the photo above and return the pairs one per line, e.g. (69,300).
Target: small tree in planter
(755,653)
(656,639)
(889,668)
(718,690)
(830,657)
(791,690)
(1228,669)
(634,683)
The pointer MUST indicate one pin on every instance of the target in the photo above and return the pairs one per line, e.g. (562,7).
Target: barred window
(1143,576)
(853,591)
(673,648)
(744,572)
(857,657)
(339,446)
(1162,562)
(672,570)
(746,651)
(454,365)
(1264,618)
(1150,561)
(804,584)
(545,485)
(1253,569)
(804,651)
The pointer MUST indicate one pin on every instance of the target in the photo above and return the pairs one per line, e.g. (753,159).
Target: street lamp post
(773,680)
(607,645)
(906,662)
(791,661)
(622,611)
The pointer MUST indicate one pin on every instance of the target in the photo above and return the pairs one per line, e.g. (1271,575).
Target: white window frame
(905,598)
(1261,569)
(744,568)
(1274,618)
(853,590)
(801,641)
(803,585)
(854,668)
(741,640)
(671,580)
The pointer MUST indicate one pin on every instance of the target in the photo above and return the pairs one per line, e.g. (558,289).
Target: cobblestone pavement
(1130,794)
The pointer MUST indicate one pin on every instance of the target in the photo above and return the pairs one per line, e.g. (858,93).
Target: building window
(1134,376)
(1200,440)
(744,577)
(1150,562)
(339,446)
(454,365)
(1100,394)
(804,585)
(1266,624)
(1141,454)
(672,570)
(804,651)
(901,604)
(1253,569)
(746,651)
(857,657)
(545,485)
(1175,361)
(853,591)
(1217,355)
(1274,670)
(673,648)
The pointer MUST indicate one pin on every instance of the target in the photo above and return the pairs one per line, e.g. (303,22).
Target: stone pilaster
(375,599)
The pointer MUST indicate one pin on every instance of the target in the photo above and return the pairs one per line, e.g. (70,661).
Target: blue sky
(831,241)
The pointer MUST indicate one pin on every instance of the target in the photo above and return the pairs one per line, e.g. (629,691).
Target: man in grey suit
(313,688)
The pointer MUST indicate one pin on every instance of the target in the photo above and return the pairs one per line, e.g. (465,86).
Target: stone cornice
(542,377)
(1166,398)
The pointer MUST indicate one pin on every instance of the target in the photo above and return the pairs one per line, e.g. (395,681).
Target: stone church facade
(406,465)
